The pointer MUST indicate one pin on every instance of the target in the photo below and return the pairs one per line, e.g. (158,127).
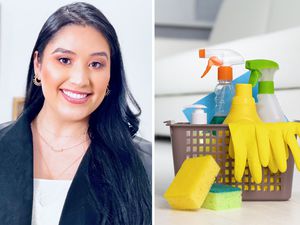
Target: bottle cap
(198,115)
(243,94)
(244,90)
(243,108)
(225,73)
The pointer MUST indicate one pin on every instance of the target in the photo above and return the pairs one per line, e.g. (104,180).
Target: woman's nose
(79,77)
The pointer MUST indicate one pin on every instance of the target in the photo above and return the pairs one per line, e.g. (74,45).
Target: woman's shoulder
(4,127)
(144,146)
(144,149)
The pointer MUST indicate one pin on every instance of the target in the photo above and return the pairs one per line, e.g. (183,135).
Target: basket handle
(169,122)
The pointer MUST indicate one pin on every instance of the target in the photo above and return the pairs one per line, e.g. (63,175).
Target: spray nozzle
(224,59)
(255,75)
(212,61)
(261,70)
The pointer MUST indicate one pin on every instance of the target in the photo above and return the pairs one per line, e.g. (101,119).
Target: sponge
(222,197)
(192,183)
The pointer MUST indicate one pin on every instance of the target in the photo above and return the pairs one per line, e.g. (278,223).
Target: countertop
(251,213)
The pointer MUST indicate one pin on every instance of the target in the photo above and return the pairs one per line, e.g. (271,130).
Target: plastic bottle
(222,104)
(198,115)
(224,91)
(243,108)
(262,72)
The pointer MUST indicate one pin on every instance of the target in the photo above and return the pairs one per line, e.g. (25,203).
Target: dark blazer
(16,179)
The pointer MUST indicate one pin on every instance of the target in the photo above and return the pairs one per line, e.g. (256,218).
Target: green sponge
(222,197)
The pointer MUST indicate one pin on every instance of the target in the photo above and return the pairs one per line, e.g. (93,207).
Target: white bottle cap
(198,115)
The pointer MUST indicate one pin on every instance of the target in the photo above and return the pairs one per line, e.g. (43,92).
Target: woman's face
(74,72)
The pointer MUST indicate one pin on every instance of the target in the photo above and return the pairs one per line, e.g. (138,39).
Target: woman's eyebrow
(62,50)
(100,54)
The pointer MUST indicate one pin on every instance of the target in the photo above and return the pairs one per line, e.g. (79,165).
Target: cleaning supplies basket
(190,140)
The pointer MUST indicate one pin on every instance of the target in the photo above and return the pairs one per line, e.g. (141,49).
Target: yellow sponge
(192,183)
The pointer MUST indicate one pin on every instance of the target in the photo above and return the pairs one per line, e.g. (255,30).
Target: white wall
(239,19)
(21,22)
(166,47)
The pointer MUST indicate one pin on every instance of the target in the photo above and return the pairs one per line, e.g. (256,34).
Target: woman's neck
(61,127)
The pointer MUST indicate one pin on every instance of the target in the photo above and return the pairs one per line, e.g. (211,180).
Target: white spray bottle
(262,72)
(224,91)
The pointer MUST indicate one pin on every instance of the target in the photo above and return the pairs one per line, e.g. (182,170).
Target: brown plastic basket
(189,140)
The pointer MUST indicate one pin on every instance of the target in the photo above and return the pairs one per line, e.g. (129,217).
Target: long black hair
(115,167)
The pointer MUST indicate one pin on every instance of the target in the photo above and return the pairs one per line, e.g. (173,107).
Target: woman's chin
(74,115)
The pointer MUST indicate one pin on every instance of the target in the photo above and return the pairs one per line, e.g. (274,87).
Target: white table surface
(251,213)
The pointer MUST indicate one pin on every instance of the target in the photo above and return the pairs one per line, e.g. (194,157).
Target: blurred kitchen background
(257,29)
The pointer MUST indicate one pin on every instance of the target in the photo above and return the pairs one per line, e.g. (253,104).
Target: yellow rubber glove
(266,158)
(263,143)
(281,136)
(272,165)
(273,141)
(291,140)
(244,148)
(278,146)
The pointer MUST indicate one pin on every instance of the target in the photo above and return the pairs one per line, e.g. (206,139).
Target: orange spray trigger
(212,61)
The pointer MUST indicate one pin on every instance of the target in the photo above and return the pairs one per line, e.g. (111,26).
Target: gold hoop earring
(36,80)
(107,91)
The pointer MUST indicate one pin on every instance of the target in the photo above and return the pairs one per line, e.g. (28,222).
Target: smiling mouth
(75,97)
(75,94)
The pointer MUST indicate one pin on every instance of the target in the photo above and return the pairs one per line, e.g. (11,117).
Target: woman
(72,156)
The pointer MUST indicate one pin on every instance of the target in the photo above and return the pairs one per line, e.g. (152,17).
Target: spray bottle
(262,72)
(224,91)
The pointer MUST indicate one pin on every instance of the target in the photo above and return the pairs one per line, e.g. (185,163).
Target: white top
(48,200)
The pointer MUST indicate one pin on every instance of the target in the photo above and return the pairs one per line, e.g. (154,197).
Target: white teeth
(74,95)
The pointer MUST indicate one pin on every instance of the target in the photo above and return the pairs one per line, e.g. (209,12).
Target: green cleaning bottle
(262,72)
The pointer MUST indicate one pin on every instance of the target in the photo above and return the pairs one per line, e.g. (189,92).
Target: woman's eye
(65,61)
(96,65)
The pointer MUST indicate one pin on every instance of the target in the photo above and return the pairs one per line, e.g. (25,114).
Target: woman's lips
(75,97)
